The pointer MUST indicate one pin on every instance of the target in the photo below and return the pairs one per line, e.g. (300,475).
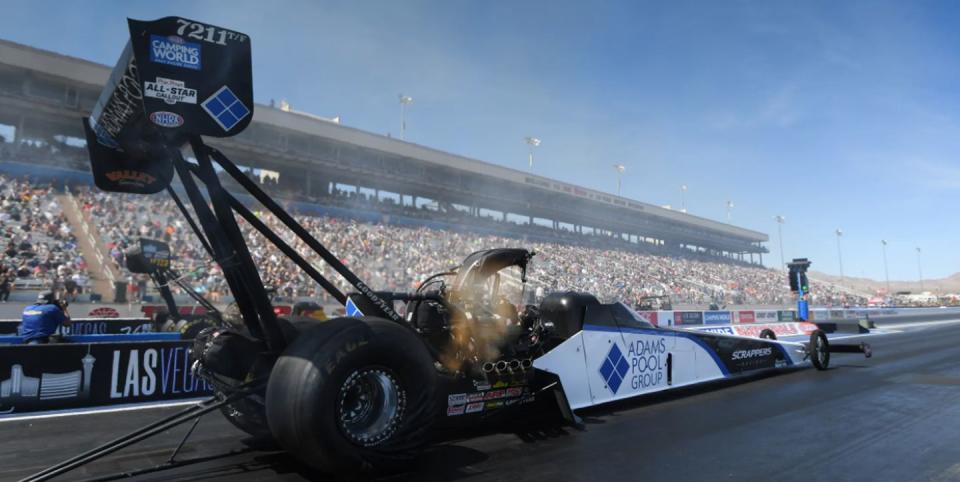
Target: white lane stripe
(918,324)
(96,410)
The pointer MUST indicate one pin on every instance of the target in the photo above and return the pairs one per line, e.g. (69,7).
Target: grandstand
(352,187)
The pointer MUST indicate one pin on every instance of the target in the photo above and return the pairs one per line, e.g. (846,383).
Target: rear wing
(176,79)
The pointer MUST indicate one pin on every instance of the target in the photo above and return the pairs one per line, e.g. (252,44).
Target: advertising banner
(65,376)
(717,318)
(786,315)
(765,316)
(649,317)
(688,317)
(91,326)
(746,317)
(780,329)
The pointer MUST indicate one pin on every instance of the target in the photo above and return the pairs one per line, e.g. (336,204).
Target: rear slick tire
(819,350)
(353,395)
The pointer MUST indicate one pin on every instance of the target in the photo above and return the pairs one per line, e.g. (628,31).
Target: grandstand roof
(553,197)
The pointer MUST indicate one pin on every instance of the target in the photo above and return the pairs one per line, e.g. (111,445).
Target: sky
(832,114)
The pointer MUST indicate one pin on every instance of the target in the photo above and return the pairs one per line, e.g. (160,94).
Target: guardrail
(731,317)
(96,374)
(91,326)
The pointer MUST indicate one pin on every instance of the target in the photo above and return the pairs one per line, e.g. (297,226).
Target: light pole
(620,170)
(780,220)
(405,100)
(729,207)
(886,273)
(919,269)
(532,142)
(839,253)
(683,198)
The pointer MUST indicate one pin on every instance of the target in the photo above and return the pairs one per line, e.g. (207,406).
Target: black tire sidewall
(304,387)
(814,337)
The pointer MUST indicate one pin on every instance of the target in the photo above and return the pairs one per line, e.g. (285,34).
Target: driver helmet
(46,298)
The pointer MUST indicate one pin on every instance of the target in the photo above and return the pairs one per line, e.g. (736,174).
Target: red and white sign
(104,312)
(649,317)
(455,410)
(780,329)
(746,316)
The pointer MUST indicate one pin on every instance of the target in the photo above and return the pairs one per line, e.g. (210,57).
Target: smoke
(485,321)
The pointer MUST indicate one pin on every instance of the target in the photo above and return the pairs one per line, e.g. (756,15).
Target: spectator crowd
(39,248)
(394,257)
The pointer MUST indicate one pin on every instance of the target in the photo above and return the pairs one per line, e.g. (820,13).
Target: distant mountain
(950,284)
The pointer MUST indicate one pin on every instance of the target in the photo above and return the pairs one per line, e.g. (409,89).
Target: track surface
(893,417)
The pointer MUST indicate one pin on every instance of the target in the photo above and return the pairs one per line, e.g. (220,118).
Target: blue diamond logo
(225,108)
(614,368)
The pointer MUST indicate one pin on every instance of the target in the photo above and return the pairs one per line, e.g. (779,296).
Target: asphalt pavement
(895,417)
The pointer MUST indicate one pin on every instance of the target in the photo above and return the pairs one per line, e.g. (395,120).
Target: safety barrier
(733,317)
(91,326)
(96,374)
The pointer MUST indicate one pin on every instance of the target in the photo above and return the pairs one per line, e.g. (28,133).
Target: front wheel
(353,394)
(819,350)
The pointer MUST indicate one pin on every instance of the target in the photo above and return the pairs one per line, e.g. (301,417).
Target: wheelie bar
(145,432)
(861,348)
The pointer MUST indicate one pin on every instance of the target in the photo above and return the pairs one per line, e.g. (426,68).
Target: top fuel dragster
(366,391)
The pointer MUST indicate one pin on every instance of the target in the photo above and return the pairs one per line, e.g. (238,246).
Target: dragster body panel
(602,364)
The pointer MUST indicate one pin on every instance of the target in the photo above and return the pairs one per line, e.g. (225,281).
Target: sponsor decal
(643,364)
(501,384)
(457,399)
(457,410)
(722,330)
(175,51)
(753,353)
(131,177)
(122,105)
(746,316)
(513,392)
(170,91)
(474,407)
(493,404)
(493,394)
(226,109)
(166,119)
(688,317)
(208,33)
(481,386)
(104,312)
(351,309)
(475,397)
(717,317)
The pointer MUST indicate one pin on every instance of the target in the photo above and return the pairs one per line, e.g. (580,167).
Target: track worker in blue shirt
(41,320)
